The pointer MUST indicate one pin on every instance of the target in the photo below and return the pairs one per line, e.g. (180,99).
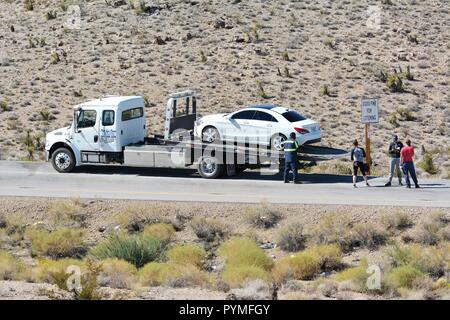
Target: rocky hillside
(318,57)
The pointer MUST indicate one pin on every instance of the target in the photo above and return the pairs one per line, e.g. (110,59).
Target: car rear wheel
(276,141)
(63,160)
(210,168)
(210,135)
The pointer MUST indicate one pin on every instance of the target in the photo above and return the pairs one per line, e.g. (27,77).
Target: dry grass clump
(305,265)
(173,275)
(402,277)
(208,229)
(163,231)
(334,229)
(396,221)
(430,231)
(135,217)
(137,249)
(262,216)
(116,273)
(245,261)
(53,271)
(369,235)
(66,212)
(186,254)
(62,243)
(291,237)
(10,267)
(355,275)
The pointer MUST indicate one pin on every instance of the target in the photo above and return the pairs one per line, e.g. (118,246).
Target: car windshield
(293,116)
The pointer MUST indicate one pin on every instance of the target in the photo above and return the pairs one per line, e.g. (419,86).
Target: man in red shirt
(407,154)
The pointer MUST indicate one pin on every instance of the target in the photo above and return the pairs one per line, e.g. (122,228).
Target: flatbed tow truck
(112,130)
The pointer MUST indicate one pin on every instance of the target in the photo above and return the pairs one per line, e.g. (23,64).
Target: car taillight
(301,130)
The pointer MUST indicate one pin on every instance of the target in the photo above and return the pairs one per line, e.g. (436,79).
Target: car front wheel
(210,135)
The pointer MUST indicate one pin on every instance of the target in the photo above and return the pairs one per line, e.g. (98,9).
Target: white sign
(369,110)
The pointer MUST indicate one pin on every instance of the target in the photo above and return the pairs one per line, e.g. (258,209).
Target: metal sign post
(369,114)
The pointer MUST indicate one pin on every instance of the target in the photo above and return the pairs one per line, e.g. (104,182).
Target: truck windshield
(293,116)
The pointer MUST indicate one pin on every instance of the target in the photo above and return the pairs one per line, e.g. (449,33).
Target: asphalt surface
(39,179)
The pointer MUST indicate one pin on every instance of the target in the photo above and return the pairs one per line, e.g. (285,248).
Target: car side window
(264,116)
(245,115)
(108,118)
(87,118)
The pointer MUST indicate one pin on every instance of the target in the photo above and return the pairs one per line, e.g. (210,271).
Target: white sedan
(266,125)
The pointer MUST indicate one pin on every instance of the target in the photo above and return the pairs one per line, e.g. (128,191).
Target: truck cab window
(108,118)
(132,114)
(87,118)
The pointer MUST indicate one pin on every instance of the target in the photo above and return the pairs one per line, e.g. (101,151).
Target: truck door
(87,136)
(108,132)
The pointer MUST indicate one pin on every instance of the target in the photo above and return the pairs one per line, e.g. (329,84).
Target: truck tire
(210,168)
(63,160)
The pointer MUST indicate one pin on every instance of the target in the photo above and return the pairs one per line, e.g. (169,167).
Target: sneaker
(387,184)
(417,186)
(408,186)
(354,185)
(286,181)
(367,184)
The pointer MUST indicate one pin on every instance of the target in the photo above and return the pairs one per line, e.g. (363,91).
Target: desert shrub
(405,114)
(117,273)
(172,274)
(10,267)
(186,254)
(136,249)
(285,55)
(325,90)
(208,229)
(54,271)
(393,119)
(427,164)
(28,5)
(134,218)
(203,57)
(431,260)
(244,251)
(54,59)
(291,237)
(395,83)
(334,229)
(328,288)
(430,231)
(50,15)
(262,216)
(238,275)
(162,231)
(3,105)
(260,91)
(369,235)
(329,43)
(305,265)
(62,243)
(396,221)
(63,212)
(402,277)
(357,275)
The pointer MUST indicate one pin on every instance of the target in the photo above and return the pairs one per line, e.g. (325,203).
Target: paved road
(112,182)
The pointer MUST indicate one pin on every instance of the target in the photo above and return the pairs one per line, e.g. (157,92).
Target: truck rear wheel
(63,160)
(210,168)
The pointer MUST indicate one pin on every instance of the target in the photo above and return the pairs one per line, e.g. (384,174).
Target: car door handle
(96,138)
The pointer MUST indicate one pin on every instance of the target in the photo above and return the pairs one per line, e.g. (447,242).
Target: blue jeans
(395,164)
(288,166)
(408,169)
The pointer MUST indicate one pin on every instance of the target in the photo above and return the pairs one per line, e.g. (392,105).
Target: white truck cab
(98,133)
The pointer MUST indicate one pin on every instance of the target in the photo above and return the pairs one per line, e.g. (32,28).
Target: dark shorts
(361,166)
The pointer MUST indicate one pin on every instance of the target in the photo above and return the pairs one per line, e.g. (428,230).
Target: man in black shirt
(394,153)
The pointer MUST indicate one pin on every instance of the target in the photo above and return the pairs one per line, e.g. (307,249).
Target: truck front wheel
(63,160)
(210,168)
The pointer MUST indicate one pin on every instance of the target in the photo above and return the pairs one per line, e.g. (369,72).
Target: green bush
(186,254)
(136,249)
(172,274)
(62,243)
(334,229)
(402,277)
(244,252)
(162,231)
(10,267)
(28,5)
(427,164)
(236,276)
(117,273)
(3,105)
